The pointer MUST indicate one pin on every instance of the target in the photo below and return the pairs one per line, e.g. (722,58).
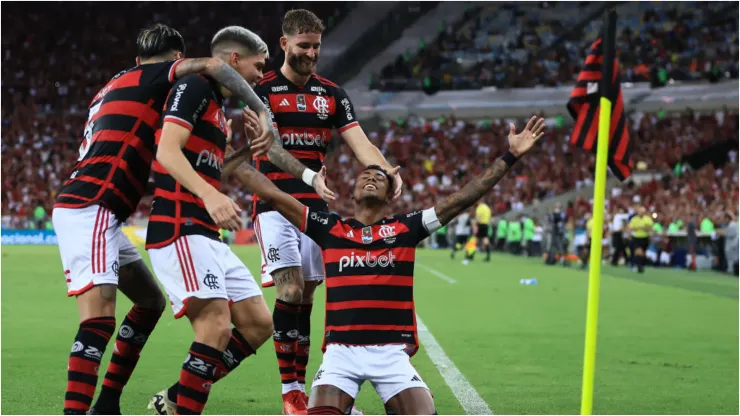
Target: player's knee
(154,301)
(212,327)
(289,284)
(262,328)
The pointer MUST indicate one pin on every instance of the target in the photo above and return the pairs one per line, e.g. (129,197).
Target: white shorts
(195,266)
(387,367)
(282,245)
(92,245)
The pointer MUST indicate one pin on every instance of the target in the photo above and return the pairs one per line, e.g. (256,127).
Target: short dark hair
(300,21)
(391,179)
(243,37)
(158,40)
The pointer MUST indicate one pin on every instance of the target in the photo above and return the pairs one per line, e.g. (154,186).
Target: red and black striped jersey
(370,276)
(117,149)
(305,116)
(196,104)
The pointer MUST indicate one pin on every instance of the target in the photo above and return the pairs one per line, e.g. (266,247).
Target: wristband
(308,176)
(508,158)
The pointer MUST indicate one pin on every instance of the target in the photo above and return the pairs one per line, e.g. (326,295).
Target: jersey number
(88,133)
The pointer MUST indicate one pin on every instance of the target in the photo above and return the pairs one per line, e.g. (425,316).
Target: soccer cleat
(355,411)
(294,403)
(162,405)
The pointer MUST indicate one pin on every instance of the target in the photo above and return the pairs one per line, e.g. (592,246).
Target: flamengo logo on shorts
(354,260)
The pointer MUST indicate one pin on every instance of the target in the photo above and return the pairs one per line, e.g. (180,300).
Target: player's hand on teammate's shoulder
(224,211)
(521,143)
(319,185)
(260,139)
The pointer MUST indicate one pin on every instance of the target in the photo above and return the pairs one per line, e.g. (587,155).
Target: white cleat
(162,405)
(465,262)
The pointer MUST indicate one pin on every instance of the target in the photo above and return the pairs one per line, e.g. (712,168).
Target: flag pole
(594,275)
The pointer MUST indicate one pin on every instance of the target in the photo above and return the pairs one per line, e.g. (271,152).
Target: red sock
(133,334)
(203,367)
(84,362)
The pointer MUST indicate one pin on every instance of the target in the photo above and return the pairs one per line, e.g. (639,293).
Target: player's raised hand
(520,143)
(396,172)
(319,185)
(224,211)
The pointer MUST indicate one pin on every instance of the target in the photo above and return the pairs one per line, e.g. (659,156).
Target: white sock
(292,386)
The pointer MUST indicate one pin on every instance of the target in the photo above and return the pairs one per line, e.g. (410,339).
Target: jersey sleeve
(160,73)
(344,116)
(318,224)
(262,93)
(421,224)
(187,101)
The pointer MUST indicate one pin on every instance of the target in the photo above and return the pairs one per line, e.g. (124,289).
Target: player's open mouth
(370,187)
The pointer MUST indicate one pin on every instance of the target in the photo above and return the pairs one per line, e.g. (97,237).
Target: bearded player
(370,330)
(305,108)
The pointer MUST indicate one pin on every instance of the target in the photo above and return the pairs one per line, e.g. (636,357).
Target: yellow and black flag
(584,108)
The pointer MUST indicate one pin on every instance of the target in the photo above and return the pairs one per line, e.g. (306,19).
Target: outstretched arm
(519,144)
(238,165)
(253,128)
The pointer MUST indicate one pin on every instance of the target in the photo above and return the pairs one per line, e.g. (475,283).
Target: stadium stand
(530,44)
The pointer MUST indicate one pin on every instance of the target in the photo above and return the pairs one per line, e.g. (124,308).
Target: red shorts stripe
(372,304)
(94,263)
(189,260)
(371,280)
(105,238)
(183,269)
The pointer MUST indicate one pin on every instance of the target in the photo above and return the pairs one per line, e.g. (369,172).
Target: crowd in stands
(437,157)
(530,44)
(82,45)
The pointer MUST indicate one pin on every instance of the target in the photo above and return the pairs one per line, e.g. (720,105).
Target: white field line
(444,277)
(470,400)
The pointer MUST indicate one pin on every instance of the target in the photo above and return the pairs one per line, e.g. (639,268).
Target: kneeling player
(204,280)
(369,259)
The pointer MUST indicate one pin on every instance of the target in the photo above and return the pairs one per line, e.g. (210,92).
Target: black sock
(304,343)
(203,367)
(285,339)
(84,362)
(488,252)
(236,352)
(133,334)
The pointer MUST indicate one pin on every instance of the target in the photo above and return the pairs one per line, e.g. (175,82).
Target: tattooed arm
(519,144)
(237,164)
(225,75)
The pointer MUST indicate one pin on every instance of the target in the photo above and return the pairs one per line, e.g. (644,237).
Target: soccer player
(246,52)
(369,259)
(108,181)
(640,226)
(462,233)
(305,108)
(482,221)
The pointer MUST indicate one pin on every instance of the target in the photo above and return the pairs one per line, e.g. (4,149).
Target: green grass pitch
(668,340)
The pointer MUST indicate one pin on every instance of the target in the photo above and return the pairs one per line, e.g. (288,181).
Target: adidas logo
(284,103)
(415,378)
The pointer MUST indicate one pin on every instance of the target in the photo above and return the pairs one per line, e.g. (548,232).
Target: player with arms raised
(108,181)
(306,108)
(370,322)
